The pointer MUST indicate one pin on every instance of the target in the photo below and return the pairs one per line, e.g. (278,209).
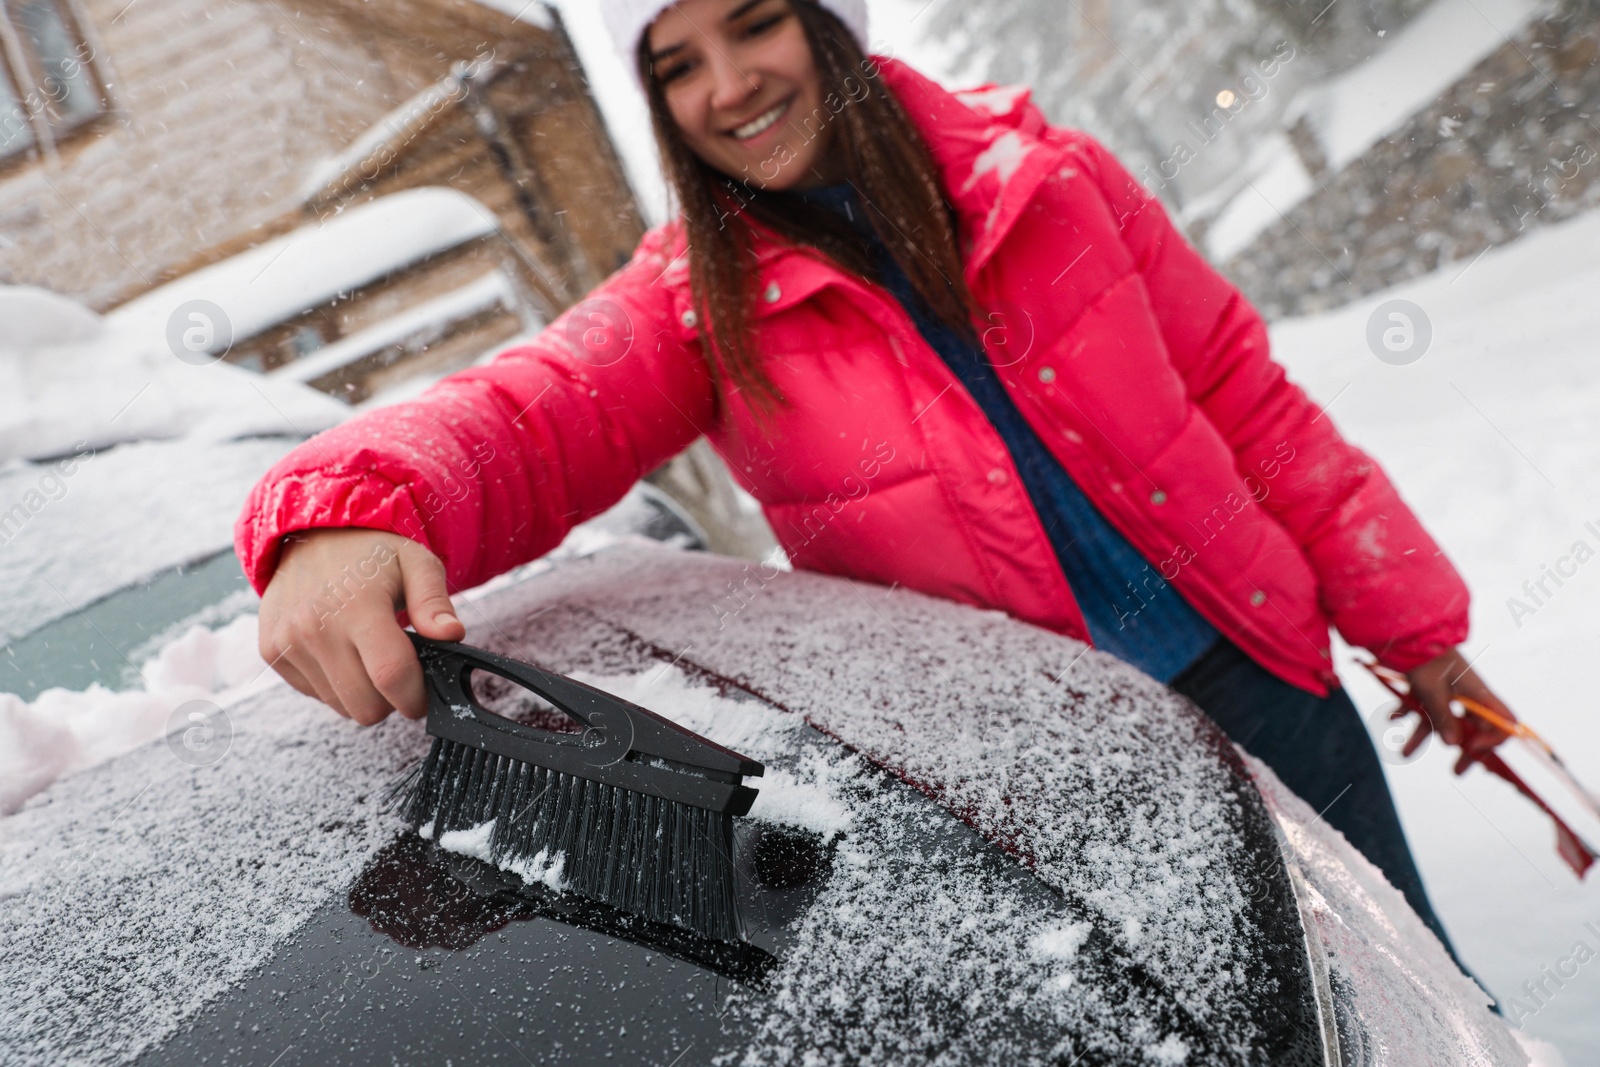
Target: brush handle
(623,745)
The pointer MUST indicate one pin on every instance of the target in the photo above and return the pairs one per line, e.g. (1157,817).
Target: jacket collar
(987,145)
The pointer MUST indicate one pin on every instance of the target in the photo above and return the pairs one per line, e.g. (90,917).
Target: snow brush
(635,811)
(1577,854)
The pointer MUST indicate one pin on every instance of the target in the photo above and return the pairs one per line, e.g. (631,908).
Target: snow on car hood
(1145,919)
(923,944)
(1123,801)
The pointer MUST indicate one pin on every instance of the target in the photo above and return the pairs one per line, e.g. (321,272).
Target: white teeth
(761,122)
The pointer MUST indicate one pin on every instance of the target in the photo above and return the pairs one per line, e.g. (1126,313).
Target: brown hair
(884,158)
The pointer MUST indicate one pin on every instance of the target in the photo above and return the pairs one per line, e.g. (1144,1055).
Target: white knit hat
(628,19)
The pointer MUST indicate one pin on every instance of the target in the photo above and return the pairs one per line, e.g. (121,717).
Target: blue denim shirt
(1131,611)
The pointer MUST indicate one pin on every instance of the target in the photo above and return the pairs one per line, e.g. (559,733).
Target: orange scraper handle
(1572,849)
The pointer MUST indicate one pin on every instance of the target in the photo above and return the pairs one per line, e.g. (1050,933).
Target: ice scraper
(1576,852)
(634,811)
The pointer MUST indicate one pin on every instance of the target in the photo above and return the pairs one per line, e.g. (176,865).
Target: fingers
(1471,686)
(364,679)
(1478,739)
(1480,736)
(1437,685)
(310,667)
(1418,736)
(427,597)
(1436,700)
(280,656)
(347,674)
(289,673)
(390,660)
(1430,685)
(328,621)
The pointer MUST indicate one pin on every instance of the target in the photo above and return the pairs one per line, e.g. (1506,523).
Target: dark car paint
(435,957)
(428,956)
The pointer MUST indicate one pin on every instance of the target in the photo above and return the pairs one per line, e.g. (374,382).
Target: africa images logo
(1399,332)
(199,733)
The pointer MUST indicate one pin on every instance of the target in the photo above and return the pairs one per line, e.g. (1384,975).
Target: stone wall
(1143,76)
(1512,146)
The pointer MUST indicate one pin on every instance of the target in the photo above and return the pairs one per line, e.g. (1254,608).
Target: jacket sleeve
(1383,581)
(492,465)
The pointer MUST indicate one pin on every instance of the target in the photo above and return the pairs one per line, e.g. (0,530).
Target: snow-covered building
(203,145)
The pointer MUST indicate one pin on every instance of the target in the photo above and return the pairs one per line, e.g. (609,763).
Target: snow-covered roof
(83,381)
(113,383)
(312,265)
(35,317)
(431,317)
(1354,110)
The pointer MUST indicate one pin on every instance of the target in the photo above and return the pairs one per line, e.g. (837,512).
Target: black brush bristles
(660,859)
(636,812)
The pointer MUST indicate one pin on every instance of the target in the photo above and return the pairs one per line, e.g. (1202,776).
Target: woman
(947,346)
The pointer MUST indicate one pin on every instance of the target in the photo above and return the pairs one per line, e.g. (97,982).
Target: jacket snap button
(773,293)
(997,476)
(1158,498)
(1047,374)
(1258,598)
(690,318)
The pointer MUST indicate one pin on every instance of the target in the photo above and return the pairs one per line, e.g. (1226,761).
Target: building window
(16,132)
(47,88)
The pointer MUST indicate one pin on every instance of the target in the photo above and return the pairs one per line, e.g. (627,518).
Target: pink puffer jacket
(1143,370)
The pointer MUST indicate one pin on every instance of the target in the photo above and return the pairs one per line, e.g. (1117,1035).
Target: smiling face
(743,89)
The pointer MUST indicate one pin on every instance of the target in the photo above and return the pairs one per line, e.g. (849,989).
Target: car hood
(1025,850)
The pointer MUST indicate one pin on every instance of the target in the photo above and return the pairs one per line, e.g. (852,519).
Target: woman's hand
(1435,683)
(328,621)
